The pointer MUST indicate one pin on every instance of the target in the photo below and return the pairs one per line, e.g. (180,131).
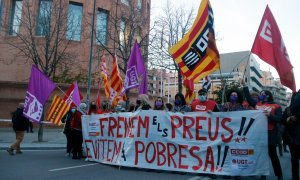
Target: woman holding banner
(234,103)
(273,112)
(180,104)
(159,104)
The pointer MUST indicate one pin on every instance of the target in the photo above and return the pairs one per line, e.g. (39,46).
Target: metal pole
(91,59)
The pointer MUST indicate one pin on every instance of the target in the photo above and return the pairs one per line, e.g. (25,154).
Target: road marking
(197,178)
(71,167)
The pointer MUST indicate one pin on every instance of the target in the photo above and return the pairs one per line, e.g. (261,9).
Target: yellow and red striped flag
(104,75)
(116,83)
(196,53)
(57,110)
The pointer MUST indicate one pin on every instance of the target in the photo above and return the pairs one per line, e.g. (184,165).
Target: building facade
(43,31)
(279,92)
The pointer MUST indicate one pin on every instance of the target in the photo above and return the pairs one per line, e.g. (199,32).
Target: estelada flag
(196,53)
(269,46)
(57,110)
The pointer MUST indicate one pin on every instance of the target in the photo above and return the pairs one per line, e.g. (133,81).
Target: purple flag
(39,89)
(136,70)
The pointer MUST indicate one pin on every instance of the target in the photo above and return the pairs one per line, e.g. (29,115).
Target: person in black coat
(291,120)
(20,125)
(67,129)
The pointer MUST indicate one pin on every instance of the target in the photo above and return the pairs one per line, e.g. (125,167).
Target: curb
(37,148)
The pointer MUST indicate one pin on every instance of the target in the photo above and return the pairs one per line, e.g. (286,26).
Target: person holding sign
(203,104)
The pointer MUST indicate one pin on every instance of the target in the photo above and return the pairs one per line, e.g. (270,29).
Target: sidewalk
(52,139)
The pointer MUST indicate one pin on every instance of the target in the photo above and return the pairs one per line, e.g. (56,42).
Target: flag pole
(168,89)
(161,86)
(91,60)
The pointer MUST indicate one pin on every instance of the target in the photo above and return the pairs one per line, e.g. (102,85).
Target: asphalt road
(52,164)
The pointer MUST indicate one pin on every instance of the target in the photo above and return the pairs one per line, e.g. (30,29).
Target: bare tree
(42,36)
(117,30)
(170,27)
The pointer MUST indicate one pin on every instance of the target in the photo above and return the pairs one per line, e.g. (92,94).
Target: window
(101,29)
(44,18)
(122,32)
(126,2)
(74,21)
(139,5)
(15,18)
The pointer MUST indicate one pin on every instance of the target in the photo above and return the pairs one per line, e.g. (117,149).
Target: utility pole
(91,60)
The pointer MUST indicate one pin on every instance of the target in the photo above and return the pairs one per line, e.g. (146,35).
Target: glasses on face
(202,94)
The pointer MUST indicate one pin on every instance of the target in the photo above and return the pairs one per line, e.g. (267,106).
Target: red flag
(73,89)
(269,46)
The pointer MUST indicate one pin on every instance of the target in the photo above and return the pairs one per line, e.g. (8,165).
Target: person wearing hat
(203,104)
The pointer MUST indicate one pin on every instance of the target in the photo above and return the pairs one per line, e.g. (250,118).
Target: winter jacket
(20,122)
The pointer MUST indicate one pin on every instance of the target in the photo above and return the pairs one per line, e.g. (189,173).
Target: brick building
(27,28)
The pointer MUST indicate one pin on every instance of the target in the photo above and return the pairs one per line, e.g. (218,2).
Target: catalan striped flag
(57,110)
(104,76)
(196,53)
(116,83)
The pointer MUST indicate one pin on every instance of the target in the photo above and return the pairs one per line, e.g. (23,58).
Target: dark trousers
(68,134)
(77,143)
(295,155)
(275,160)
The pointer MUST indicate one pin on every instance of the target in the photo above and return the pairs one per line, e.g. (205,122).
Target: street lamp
(91,60)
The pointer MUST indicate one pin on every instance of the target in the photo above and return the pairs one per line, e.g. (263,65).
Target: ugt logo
(131,79)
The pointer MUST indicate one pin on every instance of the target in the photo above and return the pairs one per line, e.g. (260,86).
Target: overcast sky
(237,22)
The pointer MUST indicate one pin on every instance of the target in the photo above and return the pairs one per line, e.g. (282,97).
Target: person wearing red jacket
(203,104)
(273,112)
(76,129)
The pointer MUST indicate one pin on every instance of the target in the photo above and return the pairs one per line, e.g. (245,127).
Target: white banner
(227,143)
